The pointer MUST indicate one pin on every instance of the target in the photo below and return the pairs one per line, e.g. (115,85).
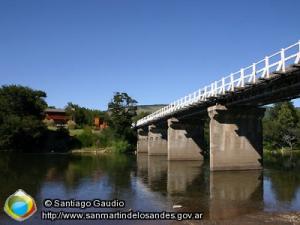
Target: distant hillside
(149,108)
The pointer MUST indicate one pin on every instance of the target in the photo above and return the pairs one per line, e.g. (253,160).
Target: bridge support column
(235,137)
(185,139)
(157,139)
(142,142)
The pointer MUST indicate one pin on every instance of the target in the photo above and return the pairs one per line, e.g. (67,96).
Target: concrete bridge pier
(142,140)
(185,139)
(235,137)
(157,139)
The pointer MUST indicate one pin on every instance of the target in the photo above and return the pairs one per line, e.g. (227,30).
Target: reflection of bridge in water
(181,175)
(233,105)
(233,193)
(221,194)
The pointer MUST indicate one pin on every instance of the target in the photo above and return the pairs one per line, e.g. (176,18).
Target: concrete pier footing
(185,139)
(157,139)
(235,137)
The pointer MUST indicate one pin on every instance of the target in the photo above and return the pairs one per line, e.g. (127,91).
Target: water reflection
(142,166)
(157,173)
(181,182)
(284,184)
(181,175)
(187,186)
(147,183)
(188,183)
(281,190)
(27,172)
(234,193)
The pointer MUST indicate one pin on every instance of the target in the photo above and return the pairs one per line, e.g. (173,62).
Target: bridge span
(234,106)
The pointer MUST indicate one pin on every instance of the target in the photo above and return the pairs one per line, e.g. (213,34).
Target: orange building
(100,124)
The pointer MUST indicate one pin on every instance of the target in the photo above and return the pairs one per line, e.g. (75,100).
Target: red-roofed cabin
(59,116)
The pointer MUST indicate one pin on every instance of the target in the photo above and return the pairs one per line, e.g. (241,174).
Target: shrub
(21,133)
(49,123)
(87,138)
(105,138)
(71,125)
(59,141)
(120,146)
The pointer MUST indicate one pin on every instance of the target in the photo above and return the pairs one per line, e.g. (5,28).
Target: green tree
(287,116)
(281,126)
(21,114)
(122,110)
(77,113)
(83,116)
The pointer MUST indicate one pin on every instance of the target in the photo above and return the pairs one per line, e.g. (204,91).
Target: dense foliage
(119,137)
(84,116)
(22,127)
(122,110)
(21,114)
(281,126)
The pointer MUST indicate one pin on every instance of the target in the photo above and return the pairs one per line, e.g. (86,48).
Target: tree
(281,126)
(287,115)
(77,113)
(21,114)
(122,109)
(83,116)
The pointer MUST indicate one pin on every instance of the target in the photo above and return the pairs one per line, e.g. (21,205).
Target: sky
(82,51)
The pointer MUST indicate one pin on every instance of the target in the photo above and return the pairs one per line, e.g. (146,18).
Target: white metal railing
(262,69)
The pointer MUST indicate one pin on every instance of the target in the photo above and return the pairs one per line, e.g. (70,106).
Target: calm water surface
(146,184)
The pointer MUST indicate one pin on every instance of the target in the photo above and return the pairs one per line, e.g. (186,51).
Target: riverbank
(264,218)
(91,150)
(283,159)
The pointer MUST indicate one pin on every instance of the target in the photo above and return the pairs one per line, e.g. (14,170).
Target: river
(146,184)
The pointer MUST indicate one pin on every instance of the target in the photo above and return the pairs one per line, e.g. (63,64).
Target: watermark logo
(20,206)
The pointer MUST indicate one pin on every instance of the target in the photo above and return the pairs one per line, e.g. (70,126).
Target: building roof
(55,110)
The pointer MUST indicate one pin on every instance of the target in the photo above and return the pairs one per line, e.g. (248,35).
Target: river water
(147,184)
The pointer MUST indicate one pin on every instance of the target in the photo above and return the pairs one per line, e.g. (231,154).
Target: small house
(59,116)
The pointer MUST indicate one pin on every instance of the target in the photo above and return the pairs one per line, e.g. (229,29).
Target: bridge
(234,105)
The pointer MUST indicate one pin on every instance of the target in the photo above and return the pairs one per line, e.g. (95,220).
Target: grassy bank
(85,140)
(91,150)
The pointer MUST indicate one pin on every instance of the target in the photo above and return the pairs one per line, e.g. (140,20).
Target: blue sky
(155,50)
